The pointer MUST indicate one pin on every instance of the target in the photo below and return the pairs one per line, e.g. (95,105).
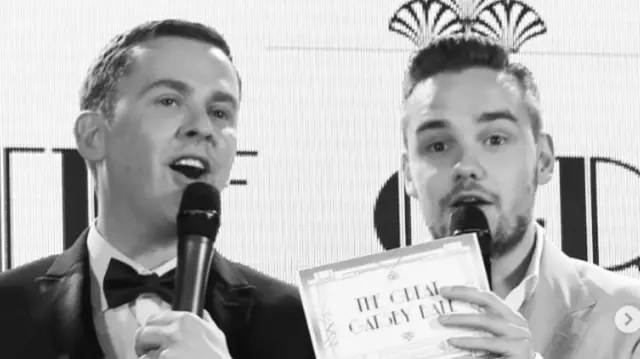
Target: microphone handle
(484,239)
(195,256)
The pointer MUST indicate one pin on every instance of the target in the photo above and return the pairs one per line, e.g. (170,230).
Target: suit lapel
(557,306)
(230,300)
(66,320)
(66,311)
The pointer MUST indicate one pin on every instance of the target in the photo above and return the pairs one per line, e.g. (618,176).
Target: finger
(165,318)
(150,338)
(207,318)
(155,354)
(487,300)
(185,319)
(488,323)
(502,346)
(218,337)
(150,355)
(212,323)
(174,325)
(471,295)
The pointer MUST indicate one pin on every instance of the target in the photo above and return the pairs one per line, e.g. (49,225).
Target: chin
(438,231)
(170,212)
(167,225)
(167,210)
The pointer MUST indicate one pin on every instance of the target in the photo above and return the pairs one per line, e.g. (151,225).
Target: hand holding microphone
(198,222)
(188,331)
(179,335)
(510,336)
(471,219)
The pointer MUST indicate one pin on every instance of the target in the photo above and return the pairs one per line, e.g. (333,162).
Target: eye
(496,140)
(167,101)
(220,114)
(437,147)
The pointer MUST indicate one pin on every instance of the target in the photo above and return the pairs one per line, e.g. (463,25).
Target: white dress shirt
(523,291)
(116,327)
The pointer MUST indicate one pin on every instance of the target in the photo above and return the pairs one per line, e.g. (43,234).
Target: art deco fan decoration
(512,22)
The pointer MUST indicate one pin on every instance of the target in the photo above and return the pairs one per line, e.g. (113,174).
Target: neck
(509,270)
(129,234)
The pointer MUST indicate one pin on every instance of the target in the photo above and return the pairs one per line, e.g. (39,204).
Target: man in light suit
(159,111)
(473,136)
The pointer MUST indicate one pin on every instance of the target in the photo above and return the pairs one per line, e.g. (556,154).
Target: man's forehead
(166,57)
(471,91)
(169,43)
(177,52)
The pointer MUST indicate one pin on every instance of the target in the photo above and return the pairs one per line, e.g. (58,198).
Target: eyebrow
(438,124)
(185,89)
(179,86)
(497,115)
(435,124)
(220,96)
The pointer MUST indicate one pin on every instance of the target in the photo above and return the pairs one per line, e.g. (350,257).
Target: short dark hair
(99,87)
(455,53)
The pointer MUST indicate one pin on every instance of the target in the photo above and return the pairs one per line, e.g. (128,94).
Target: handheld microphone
(198,222)
(471,219)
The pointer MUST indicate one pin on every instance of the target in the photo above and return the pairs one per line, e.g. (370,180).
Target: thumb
(218,335)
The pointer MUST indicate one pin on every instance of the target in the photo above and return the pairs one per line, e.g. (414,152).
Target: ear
(408,180)
(546,158)
(89,131)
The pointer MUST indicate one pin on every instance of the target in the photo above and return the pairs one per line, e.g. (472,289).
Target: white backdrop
(321,108)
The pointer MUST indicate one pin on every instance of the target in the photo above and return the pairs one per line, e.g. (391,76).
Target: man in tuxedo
(473,136)
(159,111)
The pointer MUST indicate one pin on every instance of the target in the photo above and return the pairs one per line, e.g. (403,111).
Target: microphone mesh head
(465,219)
(199,212)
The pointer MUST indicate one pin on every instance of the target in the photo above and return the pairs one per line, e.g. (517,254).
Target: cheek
(229,145)
(514,186)
(138,151)
(225,153)
(433,184)
(131,158)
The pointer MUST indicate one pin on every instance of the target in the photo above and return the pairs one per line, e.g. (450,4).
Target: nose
(198,127)
(468,168)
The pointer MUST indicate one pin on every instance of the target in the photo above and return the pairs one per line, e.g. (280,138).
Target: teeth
(190,162)
(190,167)
(467,200)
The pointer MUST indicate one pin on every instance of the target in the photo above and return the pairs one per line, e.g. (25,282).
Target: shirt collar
(534,267)
(524,290)
(100,254)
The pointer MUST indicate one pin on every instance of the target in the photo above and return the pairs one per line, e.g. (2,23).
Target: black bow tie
(122,284)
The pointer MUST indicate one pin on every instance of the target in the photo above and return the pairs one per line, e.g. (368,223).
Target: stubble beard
(504,238)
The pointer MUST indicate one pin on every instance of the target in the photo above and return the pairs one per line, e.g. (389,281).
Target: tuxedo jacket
(572,312)
(46,313)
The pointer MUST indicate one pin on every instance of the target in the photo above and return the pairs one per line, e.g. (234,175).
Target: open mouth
(191,167)
(469,201)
